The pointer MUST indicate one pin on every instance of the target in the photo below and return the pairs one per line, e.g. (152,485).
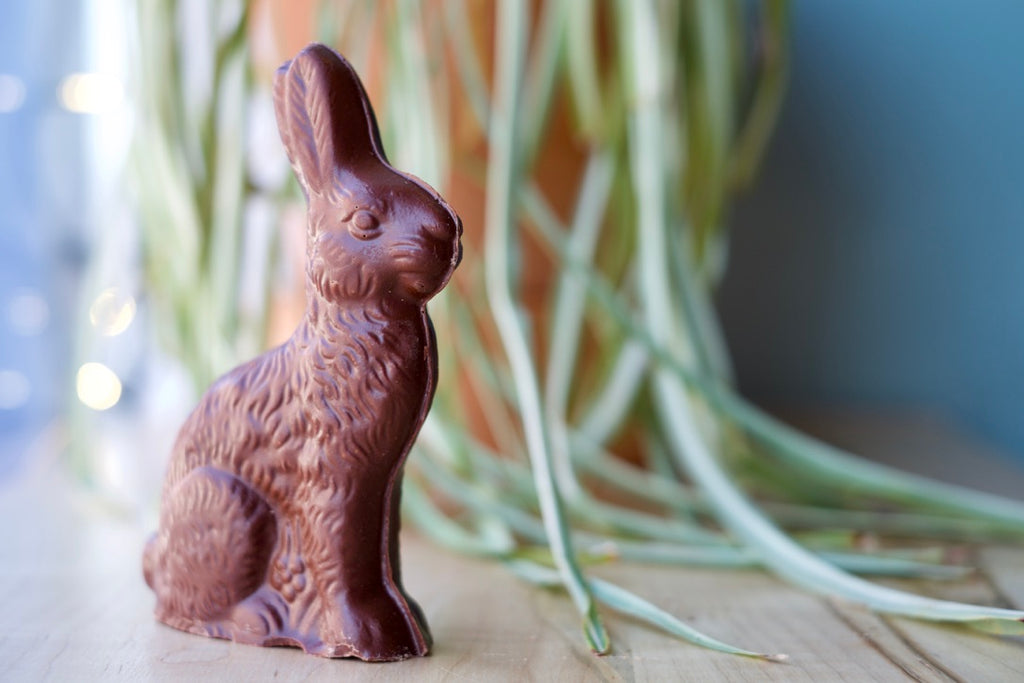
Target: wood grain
(75,608)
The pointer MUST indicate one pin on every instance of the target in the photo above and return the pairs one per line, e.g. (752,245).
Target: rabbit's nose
(441,230)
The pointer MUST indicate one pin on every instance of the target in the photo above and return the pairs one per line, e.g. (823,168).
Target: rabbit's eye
(364,225)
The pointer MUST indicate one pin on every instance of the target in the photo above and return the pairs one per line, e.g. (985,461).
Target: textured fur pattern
(279,517)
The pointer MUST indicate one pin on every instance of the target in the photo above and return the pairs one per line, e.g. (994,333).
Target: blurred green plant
(197,94)
(671,107)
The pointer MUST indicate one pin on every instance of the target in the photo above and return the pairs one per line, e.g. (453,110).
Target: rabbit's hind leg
(283,611)
(212,551)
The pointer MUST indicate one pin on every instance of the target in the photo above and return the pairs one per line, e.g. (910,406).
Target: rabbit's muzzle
(426,260)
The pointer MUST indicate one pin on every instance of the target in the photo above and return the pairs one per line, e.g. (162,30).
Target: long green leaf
(623,601)
(502,191)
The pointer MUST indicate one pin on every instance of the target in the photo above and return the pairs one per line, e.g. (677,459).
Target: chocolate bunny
(279,516)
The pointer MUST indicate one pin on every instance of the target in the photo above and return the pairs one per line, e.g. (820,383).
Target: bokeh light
(28,313)
(15,389)
(90,93)
(112,312)
(12,93)
(98,386)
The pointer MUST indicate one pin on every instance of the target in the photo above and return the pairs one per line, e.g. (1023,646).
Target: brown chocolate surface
(279,517)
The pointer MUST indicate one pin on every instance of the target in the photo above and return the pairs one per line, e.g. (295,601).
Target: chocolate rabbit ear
(324,116)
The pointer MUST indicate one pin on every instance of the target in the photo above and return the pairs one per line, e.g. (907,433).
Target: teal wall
(880,259)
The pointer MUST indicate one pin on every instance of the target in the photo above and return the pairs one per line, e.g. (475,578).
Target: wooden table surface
(75,608)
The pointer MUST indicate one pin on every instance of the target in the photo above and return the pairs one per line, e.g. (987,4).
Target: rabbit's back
(322,402)
(248,423)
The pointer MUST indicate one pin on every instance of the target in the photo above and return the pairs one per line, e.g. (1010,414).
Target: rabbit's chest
(368,396)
